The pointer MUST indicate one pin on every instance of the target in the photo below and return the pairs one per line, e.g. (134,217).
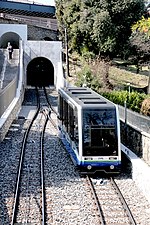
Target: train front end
(100,140)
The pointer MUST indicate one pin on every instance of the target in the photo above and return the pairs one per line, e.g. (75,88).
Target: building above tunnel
(41,59)
(27,9)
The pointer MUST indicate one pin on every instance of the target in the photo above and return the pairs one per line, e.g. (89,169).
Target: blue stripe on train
(84,164)
(70,150)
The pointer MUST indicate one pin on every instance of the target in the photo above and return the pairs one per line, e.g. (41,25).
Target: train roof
(86,97)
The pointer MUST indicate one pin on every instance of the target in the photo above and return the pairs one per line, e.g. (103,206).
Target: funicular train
(89,128)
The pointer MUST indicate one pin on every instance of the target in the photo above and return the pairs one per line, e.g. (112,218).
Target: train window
(71,122)
(99,133)
(65,114)
(60,108)
(76,135)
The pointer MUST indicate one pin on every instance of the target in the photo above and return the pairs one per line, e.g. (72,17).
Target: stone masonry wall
(137,141)
(37,33)
(146,147)
(34,32)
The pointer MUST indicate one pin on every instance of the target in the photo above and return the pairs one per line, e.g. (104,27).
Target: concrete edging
(140,172)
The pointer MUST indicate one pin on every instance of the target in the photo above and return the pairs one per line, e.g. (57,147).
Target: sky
(45,2)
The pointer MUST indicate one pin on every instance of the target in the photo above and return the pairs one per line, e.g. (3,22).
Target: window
(76,133)
(60,107)
(99,133)
(71,122)
(65,114)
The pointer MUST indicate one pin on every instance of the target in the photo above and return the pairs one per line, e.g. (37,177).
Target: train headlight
(89,167)
(112,167)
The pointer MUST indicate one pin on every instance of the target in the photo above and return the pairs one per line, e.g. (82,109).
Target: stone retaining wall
(146,147)
(136,140)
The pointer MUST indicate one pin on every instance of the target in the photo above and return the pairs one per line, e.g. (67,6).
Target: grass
(120,77)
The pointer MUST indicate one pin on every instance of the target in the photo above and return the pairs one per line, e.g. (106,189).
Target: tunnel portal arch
(47,39)
(11,37)
(40,72)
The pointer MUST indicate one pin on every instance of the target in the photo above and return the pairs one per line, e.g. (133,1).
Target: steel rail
(102,219)
(42,170)
(14,214)
(122,199)
(48,101)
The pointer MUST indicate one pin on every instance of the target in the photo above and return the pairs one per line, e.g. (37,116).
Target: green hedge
(133,100)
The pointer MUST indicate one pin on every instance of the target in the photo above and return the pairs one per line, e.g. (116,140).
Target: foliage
(145,109)
(96,71)
(86,78)
(140,41)
(142,26)
(102,27)
(141,35)
(91,75)
(133,100)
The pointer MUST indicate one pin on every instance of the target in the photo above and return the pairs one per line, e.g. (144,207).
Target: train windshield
(100,132)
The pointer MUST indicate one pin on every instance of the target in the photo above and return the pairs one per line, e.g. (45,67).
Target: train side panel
(69,127)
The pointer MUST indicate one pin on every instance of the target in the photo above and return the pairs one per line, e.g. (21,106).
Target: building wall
(20,29)
(38,33)
(51,50)
(34,32)
(12,111)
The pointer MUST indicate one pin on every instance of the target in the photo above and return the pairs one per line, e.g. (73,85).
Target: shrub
(91,75)
(145,108)
(86,78)
(134,99)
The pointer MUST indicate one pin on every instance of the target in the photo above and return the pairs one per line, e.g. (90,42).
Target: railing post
(125,121)
(67,57)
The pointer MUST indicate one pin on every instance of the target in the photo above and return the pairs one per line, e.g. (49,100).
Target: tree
(140,42)
(100,26)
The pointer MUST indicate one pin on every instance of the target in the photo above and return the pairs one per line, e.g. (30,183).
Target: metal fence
(134,119)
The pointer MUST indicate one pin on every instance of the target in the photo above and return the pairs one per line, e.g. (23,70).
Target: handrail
(134,119)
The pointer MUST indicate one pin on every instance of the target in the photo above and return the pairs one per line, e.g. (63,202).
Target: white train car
(89,128)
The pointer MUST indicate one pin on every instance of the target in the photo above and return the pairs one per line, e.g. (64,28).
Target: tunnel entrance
(40,72)
(11,37)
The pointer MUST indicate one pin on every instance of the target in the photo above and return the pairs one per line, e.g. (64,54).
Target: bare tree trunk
(148,88)
(106,76)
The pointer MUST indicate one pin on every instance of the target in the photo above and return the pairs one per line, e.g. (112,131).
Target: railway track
(120,212)
(30,175)
(67,195)
(112,207)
